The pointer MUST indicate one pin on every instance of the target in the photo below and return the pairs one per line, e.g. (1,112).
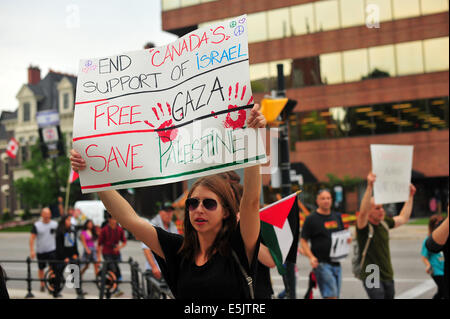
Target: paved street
(411,280)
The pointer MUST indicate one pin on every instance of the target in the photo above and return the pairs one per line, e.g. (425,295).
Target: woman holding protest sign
(217,254)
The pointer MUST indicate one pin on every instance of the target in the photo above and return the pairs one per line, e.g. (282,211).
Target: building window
(436,53)
(355,65)
(327,15)
(433,6)
(388,118)
(66,101)
(257,26)
(26,112)
(302,19)
(382,61)
(385,9)
(6,168)
(352,13)
(279,24)
(406,8)
(409,58)
(331,68)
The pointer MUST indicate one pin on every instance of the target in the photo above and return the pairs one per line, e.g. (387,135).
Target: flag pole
(66,203)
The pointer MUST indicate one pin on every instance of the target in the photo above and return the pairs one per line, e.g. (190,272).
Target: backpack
(358,259)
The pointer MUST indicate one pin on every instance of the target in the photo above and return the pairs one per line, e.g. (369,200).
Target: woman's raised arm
(122,211)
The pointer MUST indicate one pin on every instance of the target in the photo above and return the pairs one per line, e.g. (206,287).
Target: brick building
(362,71)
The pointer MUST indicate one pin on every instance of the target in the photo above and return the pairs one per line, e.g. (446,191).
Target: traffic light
(271,108)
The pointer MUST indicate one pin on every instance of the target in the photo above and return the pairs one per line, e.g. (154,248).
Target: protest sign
(167,114)
(392,164)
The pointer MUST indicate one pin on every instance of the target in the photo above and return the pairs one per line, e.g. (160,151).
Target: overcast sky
(56,34)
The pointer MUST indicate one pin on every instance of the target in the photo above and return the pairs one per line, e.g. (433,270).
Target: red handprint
(166,135)
(242,114)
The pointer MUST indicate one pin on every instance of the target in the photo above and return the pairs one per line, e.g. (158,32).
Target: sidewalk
(21,293)
(405,232)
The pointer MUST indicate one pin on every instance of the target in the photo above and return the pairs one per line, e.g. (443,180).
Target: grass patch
(422,220)
(22,229)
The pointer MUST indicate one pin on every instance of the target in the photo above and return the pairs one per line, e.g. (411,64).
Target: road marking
(417,290)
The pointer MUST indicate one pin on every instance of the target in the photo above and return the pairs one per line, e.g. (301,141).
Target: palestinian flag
(73,176)
(280,230)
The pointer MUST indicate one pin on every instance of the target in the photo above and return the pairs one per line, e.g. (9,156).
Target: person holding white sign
(378,279)
(325,230)
(216,254)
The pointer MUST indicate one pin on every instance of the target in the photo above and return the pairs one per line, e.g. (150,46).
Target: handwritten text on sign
(167,114)
(392,164)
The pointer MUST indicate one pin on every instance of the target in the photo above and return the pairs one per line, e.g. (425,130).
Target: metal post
(29,294)
(103,280)
(285,168)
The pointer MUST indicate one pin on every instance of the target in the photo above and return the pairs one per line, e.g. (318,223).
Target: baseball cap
(167,206)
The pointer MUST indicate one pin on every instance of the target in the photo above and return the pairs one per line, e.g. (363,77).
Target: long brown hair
(221,244)
(434,222)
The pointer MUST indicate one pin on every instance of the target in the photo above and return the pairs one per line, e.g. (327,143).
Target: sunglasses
(208,203)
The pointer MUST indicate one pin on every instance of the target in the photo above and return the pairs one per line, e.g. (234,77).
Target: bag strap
(366,247)
(248,278)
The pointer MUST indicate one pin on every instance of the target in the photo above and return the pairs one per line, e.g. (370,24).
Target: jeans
(329,279)
(386,290)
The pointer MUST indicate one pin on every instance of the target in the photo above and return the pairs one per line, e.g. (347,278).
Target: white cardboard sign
(169,113)
(392,164)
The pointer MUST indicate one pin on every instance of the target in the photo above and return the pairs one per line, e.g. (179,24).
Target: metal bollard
(29,294)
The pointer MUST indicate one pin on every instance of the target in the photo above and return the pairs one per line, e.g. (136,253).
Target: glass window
(257,27)
(279,23)
(331,68)
(259,77)
(352,13)
(433,6)
(259,71)
(66,101)
(409,58)
(26,112)
(302,19)
(327,15)
(355,65)
(185,3)
(406,8)
(384,9)
(170,4)
(381,60)
(436,54)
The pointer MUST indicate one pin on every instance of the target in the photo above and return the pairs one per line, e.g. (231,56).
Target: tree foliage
(48,176)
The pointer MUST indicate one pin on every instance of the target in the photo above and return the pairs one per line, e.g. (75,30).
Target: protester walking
(318,228)
(372,220)
(108,246)
(217,255)
(66,250)
(434,262)
(437,242)
(43,235)
(88,237)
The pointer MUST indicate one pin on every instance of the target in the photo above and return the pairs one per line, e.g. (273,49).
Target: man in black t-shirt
(318,229)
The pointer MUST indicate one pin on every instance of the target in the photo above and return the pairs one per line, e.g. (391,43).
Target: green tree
(48,176)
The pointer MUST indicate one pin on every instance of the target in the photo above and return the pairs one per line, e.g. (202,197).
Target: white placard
(169,113)
(340,248)
(392,165)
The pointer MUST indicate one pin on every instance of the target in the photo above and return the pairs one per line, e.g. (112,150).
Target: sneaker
(118,293)
(42,289)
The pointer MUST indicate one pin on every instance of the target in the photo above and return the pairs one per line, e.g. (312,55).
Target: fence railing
(143,285)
